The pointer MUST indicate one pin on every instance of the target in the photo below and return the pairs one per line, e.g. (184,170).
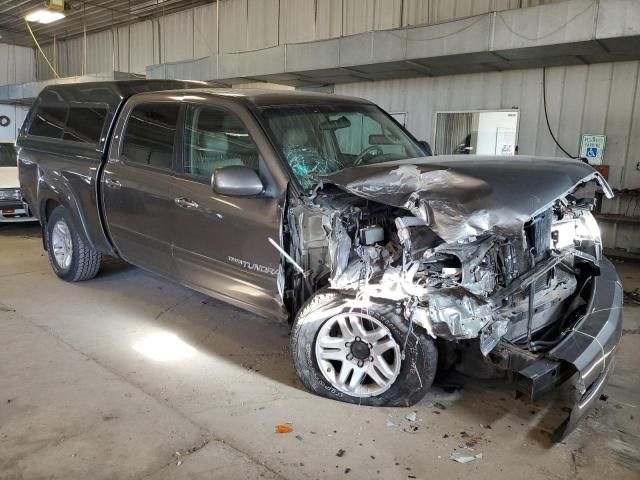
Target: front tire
(362,353)
(71,258)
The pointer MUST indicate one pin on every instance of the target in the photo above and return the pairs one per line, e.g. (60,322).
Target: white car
(12,207)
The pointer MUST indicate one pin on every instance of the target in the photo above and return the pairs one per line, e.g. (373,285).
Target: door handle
(183,202)
(109,182)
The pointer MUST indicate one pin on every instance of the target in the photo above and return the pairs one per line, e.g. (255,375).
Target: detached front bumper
(586,356)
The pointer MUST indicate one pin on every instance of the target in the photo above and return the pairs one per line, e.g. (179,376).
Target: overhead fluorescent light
(44,15)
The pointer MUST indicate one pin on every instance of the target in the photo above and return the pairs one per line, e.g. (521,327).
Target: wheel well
(48,208)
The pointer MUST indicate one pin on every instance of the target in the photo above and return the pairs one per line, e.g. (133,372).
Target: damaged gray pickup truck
(321,209)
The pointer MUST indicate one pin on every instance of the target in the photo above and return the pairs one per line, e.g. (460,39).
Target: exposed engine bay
(492,267)
(453,279)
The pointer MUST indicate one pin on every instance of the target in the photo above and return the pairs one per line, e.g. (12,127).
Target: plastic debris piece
(283,429)
(462,458)
(389,423)
(412,416)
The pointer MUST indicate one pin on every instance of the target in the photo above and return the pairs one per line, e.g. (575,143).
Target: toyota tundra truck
(323,211)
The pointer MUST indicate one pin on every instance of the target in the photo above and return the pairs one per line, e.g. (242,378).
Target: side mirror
(236,181)
(426,147)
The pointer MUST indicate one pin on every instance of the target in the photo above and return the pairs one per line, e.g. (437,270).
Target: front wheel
(71,258)
(361,353)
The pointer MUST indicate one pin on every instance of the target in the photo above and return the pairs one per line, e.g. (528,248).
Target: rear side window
(49,121)
(149,136)
(84,124)
(77,123)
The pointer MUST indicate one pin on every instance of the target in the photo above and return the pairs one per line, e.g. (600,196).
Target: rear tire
(401,380)
(71,258)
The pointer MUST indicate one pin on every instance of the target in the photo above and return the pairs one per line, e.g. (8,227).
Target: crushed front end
(474,255)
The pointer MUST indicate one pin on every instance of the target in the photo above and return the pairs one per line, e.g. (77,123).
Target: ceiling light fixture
(44,16)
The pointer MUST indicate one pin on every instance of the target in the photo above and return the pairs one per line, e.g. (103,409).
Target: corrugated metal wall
(185,35)
(602,98)
(16,64)
(145,53)
(251,25)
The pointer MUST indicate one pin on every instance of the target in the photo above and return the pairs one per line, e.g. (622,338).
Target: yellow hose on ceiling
(40,50)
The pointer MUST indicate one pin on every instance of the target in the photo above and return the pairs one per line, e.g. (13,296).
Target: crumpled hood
(460,196)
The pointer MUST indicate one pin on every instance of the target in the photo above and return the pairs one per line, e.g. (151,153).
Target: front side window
(322,139)
(149,136)
(214,139)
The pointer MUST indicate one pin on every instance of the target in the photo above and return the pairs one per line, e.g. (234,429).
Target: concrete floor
(130,376)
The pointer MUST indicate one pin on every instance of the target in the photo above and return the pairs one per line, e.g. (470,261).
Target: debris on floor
(411,429)
(471,443)
(283,429)
(464,458)
(412,416)
(340,453)
(389,423)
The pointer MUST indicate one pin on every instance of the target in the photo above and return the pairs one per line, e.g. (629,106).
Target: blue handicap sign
(592,152)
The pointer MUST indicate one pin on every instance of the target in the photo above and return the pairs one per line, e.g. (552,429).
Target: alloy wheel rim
(62,244)
(357,354)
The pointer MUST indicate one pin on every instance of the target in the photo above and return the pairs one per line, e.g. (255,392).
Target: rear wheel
(361,353)
(71,258)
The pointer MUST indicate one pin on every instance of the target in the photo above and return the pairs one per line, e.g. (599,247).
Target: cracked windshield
(318,140)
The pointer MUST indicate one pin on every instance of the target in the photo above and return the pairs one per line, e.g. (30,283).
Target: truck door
(137,185)
(221,243)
